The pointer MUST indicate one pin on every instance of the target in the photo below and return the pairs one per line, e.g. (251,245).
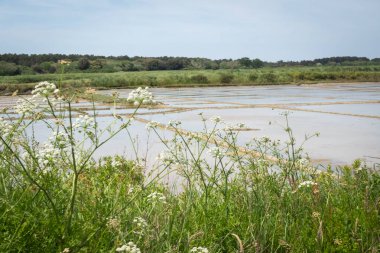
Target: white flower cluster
(83,122)
(303,162)
(116,162)
(216,119)
(129,248)
(152,124)
(113,223)
(174,123)
(166,157)
(141,225)
(156,197)
(215,152)
(45,89)
(141,96)
(26,106)
(5,128)
(199,250)
(306,184)
(59,139)
(47,154)
(265,139)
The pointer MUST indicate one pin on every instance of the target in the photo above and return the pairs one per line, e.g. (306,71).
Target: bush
(253,77)
(84,64)
(9,69)
(268,77)
(226,78)
(199,79)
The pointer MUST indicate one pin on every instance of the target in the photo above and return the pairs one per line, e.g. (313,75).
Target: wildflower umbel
(113,223)
(5,128)
(45,89)
(140,224)
(216,119)
(129,248)
(166,157)
(26,106)
(152,124)
(306,184)
(83,121)
(215,152)
(199,250)
(141,96)
(156,197)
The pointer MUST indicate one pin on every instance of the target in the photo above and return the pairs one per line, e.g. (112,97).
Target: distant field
(175,78)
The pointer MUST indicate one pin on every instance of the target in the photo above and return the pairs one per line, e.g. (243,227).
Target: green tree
(245,62)
(83,64)
(257,63)
(9,69)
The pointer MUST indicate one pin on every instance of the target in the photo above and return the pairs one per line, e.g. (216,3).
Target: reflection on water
(346,115)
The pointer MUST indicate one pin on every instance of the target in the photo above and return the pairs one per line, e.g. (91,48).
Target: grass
(55,197)
(178,78)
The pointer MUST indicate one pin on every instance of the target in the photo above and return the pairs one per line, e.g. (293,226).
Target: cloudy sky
(267,29)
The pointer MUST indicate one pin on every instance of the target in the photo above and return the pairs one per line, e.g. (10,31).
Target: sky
(270,30)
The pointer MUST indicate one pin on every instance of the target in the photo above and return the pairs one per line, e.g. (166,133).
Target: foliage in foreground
(55,197)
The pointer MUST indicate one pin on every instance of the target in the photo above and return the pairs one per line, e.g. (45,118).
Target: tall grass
(289,75)
(266,197)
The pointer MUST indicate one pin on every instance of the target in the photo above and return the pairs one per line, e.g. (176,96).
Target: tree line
(16,64)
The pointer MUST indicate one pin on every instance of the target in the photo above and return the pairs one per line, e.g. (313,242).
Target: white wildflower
(129,248)
(174,123)
(215,152)
(151,124)
(66,250)
(166,157)
(131,189)
(5,128)
(141,225)
(303,162)
(216,119)
(306,184)
(84,122)
(45,89)
(141,96)
(47,156)
(265,139)
(113,223)
(26,106)
(357,170)
(116,162)
(59,139)
(199,250)
(240,125)
(156,197)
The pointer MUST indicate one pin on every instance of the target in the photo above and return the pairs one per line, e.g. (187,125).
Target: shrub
(253,77)
(226,78)
(268,77)
(84,64)
(199,79)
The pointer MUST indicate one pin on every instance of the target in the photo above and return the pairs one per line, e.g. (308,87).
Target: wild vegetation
(15,64)
(266,197)
(178,78)
(22,72)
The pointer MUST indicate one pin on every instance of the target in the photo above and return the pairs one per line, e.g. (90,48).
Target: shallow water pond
(347,116)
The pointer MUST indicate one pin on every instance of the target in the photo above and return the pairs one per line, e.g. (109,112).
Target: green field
(191,78)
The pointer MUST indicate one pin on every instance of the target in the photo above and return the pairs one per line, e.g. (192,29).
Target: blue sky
(267,29)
